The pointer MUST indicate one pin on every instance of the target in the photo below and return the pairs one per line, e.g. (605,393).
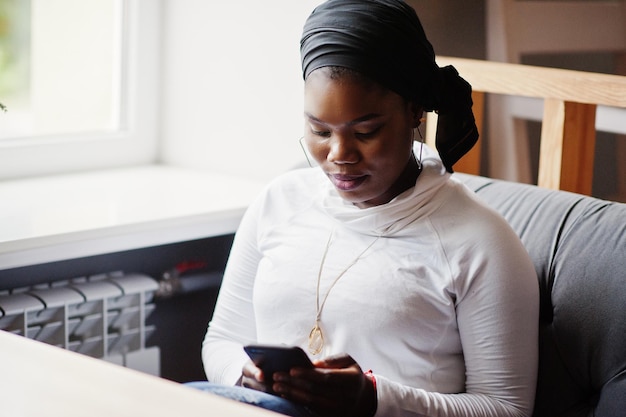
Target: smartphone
(272,358)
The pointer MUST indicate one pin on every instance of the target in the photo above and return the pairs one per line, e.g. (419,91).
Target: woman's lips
(346,182)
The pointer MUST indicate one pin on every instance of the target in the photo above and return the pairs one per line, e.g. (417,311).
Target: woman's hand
(336,387)
(253,377)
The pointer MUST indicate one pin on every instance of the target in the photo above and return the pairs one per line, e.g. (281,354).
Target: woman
(378,259)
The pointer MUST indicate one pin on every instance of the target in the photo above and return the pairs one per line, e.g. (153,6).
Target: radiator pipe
(172,283)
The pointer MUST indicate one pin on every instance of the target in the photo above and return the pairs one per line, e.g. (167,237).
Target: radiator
(102,316)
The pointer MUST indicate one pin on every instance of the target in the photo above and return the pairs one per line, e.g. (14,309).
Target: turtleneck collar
(391,218)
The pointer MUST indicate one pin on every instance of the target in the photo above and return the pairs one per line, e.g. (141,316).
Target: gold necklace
(316,336)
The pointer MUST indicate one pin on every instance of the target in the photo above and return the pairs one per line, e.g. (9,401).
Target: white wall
(232,87)
(455,28)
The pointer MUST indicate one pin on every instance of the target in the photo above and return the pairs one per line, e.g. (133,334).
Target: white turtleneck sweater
(443,307)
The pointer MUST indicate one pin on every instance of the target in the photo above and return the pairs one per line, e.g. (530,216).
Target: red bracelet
(370,374)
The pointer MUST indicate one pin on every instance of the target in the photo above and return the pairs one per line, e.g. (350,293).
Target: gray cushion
(578,246)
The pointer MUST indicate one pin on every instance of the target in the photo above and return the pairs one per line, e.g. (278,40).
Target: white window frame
(136,141)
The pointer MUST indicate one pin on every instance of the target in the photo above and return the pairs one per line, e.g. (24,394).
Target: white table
(41,380)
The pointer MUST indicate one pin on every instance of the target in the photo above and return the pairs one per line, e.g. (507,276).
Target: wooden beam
(567,146)
(533,81)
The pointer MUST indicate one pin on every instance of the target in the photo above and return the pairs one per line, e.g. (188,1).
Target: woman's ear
(418,114)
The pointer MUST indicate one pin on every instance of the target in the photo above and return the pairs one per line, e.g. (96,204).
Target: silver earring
(306,154)
(421,141)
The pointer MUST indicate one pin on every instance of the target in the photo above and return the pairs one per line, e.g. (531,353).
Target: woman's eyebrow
(365,118)
(312,118)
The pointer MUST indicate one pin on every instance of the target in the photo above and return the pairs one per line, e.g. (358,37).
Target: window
(79,81)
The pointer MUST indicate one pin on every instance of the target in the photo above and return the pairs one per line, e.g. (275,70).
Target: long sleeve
(497,315)
(233,322)
(500,363)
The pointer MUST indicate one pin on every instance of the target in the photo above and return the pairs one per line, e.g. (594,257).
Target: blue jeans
(254,397)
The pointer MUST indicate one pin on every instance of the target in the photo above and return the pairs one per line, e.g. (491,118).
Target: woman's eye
(321,133)
(367,134)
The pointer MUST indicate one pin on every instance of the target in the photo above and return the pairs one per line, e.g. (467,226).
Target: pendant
(316,340)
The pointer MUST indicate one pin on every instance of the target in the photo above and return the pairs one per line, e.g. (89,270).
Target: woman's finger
(252,377)
(341,360)
(250,370)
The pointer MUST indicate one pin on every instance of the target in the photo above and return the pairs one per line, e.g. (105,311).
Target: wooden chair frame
(518,28)
(568,133)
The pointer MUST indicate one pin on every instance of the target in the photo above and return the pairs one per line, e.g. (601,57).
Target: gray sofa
(578,245)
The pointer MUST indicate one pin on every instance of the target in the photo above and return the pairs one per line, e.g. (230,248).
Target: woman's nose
(343,150)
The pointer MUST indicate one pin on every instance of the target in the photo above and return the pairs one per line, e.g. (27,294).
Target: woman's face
(361,135)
